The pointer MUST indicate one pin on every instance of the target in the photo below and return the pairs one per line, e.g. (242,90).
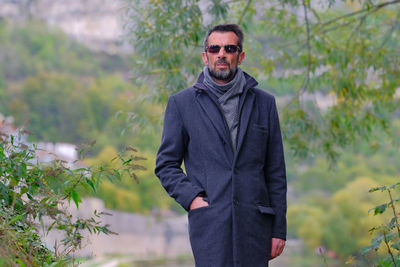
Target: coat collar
(250,82)
(246,106)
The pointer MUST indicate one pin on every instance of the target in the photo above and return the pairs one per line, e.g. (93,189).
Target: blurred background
(76,71)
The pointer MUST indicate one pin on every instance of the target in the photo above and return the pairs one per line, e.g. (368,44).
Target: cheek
(233,57)
(233,61)
(211,62)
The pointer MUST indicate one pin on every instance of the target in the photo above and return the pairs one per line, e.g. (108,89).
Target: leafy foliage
(339,222)
(334,66)
(20,243)
(389,233)
(348,52)
(329,209)
(147,195)
(166,34)
(32,192)
(301,51)
(95,102)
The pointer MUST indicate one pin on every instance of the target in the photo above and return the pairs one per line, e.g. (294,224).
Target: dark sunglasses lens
(231,48)
(228,48)
(213,49)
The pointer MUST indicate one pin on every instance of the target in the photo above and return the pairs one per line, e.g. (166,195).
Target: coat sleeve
(275,174)
(170,156)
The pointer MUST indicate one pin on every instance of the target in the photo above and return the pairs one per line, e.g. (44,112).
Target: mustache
(222,60)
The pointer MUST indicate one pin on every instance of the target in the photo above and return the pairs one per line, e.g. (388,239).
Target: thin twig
(368,10)
(315,13)
(394,212)
(323,24)
(356,29)
(388,248)
(244,11)
(389,32)
(308,44)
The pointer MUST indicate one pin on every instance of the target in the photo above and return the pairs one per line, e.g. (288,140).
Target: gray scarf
(228,97)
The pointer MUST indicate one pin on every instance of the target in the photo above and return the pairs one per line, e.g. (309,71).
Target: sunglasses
(230,49)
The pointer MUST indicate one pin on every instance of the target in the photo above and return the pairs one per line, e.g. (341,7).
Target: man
(227,132)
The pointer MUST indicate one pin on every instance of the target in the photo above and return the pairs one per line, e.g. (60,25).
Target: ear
(241,57)
(205,59)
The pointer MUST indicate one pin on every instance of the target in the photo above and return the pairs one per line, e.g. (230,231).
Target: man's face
(222,65)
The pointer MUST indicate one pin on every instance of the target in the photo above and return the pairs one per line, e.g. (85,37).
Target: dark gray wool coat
(246,191)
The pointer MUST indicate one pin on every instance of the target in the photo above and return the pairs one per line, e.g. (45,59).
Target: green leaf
(4,191)
(24,190)
(375,244)
(75,198)
(15,219)
(90,182)
(393,222)
(43,200)
(127,161)
(379,209)
(51,226)
(381,188)
(61,227)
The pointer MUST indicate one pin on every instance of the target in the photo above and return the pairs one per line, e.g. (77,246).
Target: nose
(221,52)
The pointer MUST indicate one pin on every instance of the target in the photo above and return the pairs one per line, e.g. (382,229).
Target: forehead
(222,38)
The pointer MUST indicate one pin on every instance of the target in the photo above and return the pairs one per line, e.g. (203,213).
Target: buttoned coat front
(246,189)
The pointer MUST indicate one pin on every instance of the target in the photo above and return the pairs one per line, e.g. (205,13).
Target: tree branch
(308,44)
(368,10)
(244,11)
(356,29)
(333,28)
(388,248)
(389,33)
(394,212)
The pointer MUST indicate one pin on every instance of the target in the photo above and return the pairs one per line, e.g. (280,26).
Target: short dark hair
(226,28)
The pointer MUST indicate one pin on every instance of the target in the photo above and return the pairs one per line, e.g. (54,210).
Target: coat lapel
(215,116)
(246,110)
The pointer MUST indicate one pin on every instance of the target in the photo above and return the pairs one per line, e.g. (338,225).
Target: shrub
(31,192)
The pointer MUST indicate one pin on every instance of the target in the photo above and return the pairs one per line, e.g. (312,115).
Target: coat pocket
(198,209)
(266,210)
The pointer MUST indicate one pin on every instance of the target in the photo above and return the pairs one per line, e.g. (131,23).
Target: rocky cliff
(97,23)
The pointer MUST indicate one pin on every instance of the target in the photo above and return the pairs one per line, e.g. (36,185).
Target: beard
(223,75)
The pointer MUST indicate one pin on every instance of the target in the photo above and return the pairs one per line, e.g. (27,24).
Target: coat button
(235,201)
